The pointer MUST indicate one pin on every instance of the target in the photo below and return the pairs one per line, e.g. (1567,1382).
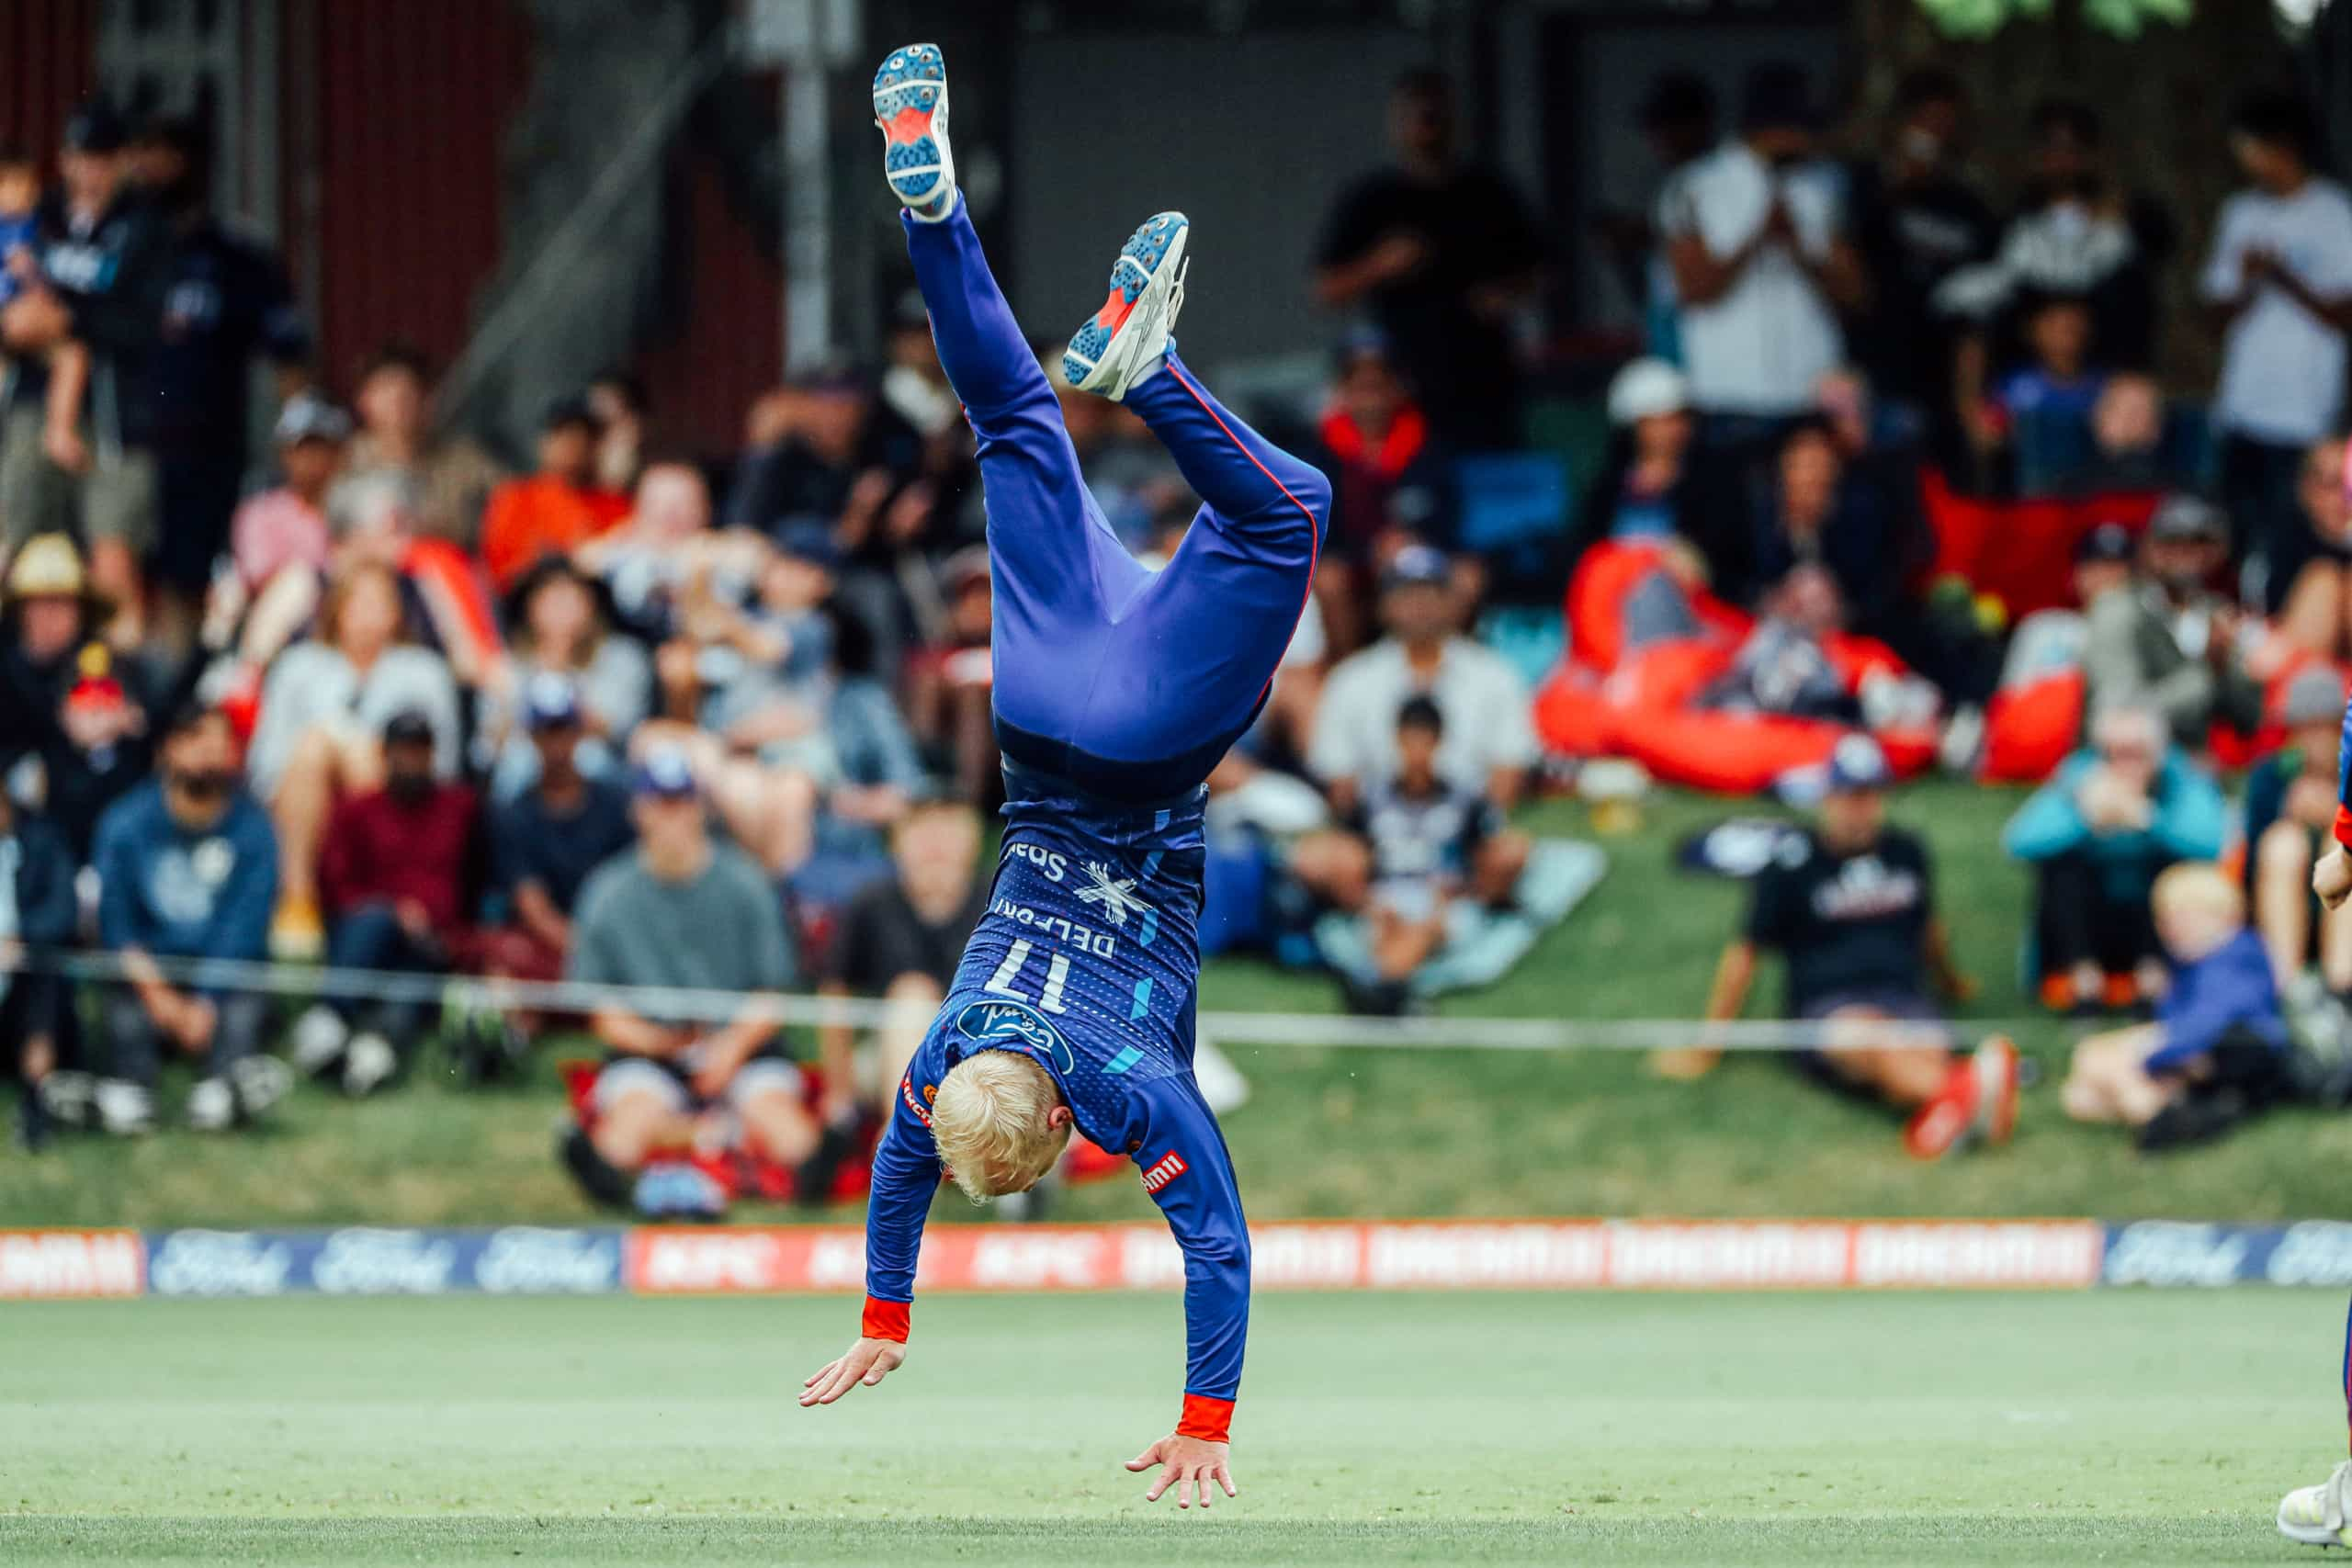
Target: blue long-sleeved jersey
(2232,986)
(1086,962)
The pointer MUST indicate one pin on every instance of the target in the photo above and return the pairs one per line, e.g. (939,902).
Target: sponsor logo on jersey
(1115,895)
(1168,1166)
(1018,1026)
(907,1093)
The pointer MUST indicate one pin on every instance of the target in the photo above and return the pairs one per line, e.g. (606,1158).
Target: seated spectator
(2040,411)
(398,875)
(1388,479)
(325,703)
(2097,835)
(684,912)
(1819,511)
(2291,804)
(1130,476)
(1650,488)
(1490,741)
(86,712)
(666,542)
(948,683)
(558,625)
(898,940)
(450,475)
(187,870)
(809,447)
(2315,616)
(38,910)
(2130,450)
(875,773)
(545,844)
(1848,903)
(556,508)
(1433,846)
(2216,1052)
(288,526)
(2166,641)
(616,397)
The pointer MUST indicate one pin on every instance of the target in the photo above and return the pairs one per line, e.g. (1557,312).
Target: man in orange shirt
(556,510)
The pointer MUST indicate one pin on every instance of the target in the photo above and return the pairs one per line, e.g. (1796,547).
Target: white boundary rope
(1303,1030)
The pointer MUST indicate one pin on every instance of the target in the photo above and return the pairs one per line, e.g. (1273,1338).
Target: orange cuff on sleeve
(1210,1420)
(2343,826)
(885,1320)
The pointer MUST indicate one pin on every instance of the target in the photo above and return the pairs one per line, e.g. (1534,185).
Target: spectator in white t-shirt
(1755,232)
(1489,736)
(2281,276)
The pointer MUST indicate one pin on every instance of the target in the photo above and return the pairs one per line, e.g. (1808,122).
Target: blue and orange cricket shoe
(911,105)
(1124,339)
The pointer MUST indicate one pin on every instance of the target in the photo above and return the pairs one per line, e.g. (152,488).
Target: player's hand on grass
(2332,878)
(1188,1464)
(868,1361)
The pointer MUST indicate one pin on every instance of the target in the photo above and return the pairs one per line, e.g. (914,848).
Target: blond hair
(991,1123)
(2199,887)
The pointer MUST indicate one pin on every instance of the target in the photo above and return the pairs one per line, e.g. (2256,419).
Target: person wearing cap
(2290,801)
(1388,478)
(188,871)
(683,912)
(449,472)
(559,624)
(2165,640)
(2097,835)
(1757,238)
(546,841)
(1441,254)
(286,526)
(1490,741)
(401,868)
(104,259)
(229,305)
(558,508)
(1848,903)
(1649,487)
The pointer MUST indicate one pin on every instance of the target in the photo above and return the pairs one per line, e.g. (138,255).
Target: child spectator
(2291,804)
(288,526)
(2097,835)
(556,508)
(2041,410)
(69,362)
(2216,1053)
(188,869)
(398,874)
(2130,443)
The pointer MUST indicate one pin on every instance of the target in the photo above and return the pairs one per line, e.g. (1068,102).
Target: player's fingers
(1145,1459)
(1225,1479)
(820,1374)
(844,1379)
(1184,1484)
(1201,1485)
(1167,1475)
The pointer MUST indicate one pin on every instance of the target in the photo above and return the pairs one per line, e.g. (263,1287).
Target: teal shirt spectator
(177,894)
(2187,824)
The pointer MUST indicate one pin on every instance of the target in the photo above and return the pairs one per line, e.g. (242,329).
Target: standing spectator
(450,476)
(1387,475)
(2096,835)
(1918,220)
(1441,254)
(38,910)
(2316,616)
(559,508)
(558,624)
(546,841)
(104,259)
(398,873)
(288,526)
(898,940)
(1762,264)
(1679,119)
(2291,804)
(684,912)
(1816,512)
(877,774)
(86,712)
(188,869)
(2281,276)
(228,304)
(1489,739)
(1850,903)
(2166,642)
(323,708)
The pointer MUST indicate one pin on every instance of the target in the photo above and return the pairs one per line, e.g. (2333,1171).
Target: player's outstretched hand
(868,1361)
(2332,878)
(1188,1464)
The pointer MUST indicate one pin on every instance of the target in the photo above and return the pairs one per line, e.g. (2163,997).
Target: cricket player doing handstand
(1118,688)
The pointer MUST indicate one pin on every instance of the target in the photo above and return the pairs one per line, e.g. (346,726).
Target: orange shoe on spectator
(1946,1120)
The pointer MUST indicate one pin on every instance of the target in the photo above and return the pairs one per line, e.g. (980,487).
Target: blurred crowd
(364,692)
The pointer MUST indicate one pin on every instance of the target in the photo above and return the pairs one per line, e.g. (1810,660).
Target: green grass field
(1334,1133)
(2109,1427)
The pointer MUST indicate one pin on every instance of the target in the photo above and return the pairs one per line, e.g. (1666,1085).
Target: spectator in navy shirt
(187,870)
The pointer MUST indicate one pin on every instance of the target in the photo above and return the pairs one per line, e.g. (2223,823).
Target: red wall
(48,64)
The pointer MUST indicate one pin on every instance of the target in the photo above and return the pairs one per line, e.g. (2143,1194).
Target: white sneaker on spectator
(260,1082)
(211,1105)
(320,1036)
(369,1061)
(124,1108)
